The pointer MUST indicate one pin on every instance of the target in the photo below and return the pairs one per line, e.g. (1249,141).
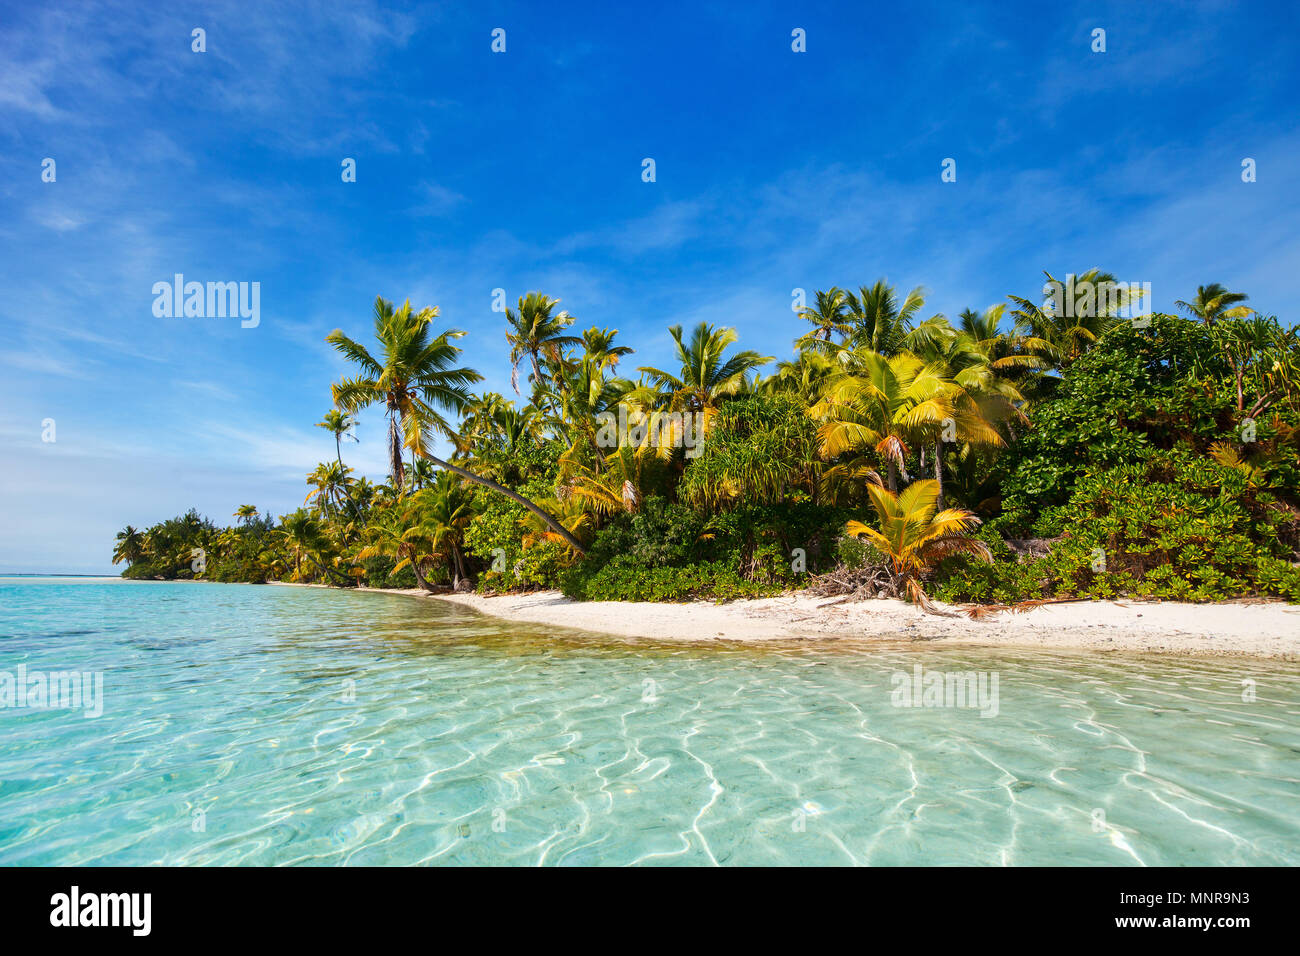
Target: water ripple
(247,725)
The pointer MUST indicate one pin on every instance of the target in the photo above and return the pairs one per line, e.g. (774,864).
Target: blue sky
(522,170)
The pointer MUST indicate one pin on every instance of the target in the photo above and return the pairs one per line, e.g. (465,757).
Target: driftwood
(855,584)
(1026,549)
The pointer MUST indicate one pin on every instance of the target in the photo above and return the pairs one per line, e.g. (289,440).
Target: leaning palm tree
(536,331)
(914,535)
(130,546)
(339,424)
(1213,302)
(246,514)
(707,375)
(414,377)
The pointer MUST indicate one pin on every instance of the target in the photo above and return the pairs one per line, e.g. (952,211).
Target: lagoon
(258,725)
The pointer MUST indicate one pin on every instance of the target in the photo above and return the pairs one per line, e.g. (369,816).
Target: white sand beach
(1260,629)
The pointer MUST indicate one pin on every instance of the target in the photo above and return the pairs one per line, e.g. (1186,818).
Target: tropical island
(1063,448)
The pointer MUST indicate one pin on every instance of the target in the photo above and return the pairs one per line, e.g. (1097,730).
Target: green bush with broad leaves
(1174,525)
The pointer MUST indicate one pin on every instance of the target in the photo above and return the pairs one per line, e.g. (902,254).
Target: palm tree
(627,474)
(1059,337)
(828,318)
(535,331)
(579,392)
(423,474)
(805,377)
(306,539)
(415,377)
(331,483)
(1213,302)
(339,424)
(361,496)
(915,535)
(246,514)
(981,397)
(599,345)
(130,546)
(888,405)
(706,376)
(1000,350)
(444,511)
(396,533)
(877,319)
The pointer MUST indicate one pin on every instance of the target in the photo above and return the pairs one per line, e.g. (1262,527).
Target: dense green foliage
(1150,459)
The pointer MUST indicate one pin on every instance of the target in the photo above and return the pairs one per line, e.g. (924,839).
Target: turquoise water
(264,725)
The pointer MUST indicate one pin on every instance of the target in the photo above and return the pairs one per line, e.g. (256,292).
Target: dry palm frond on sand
(977,612)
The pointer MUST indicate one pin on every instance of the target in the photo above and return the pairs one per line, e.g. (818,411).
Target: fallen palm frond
(977,612)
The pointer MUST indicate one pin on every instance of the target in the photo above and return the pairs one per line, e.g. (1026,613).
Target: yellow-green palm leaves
(886,405)
(338,424)
(536,331)
(707,374)
(914,535)
(620,483)
(414,376)
(1213,303)
(130,546)
(1059,335)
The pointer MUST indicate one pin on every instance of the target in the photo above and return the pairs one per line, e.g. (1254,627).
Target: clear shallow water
(473,741)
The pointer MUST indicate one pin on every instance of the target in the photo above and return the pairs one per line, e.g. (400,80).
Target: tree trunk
(330,573)
(461,575)
(419,578)
(938,472)
(551,522)
(394,453)
(891,476)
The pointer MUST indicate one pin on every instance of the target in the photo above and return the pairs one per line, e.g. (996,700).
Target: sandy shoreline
(1256,629)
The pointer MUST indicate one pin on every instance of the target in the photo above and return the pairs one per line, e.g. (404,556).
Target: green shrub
(625,579)
(1174,525)
(498,531)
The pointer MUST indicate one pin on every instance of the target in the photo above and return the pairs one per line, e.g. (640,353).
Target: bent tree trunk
(419,576)
(551,522)
(331,574)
